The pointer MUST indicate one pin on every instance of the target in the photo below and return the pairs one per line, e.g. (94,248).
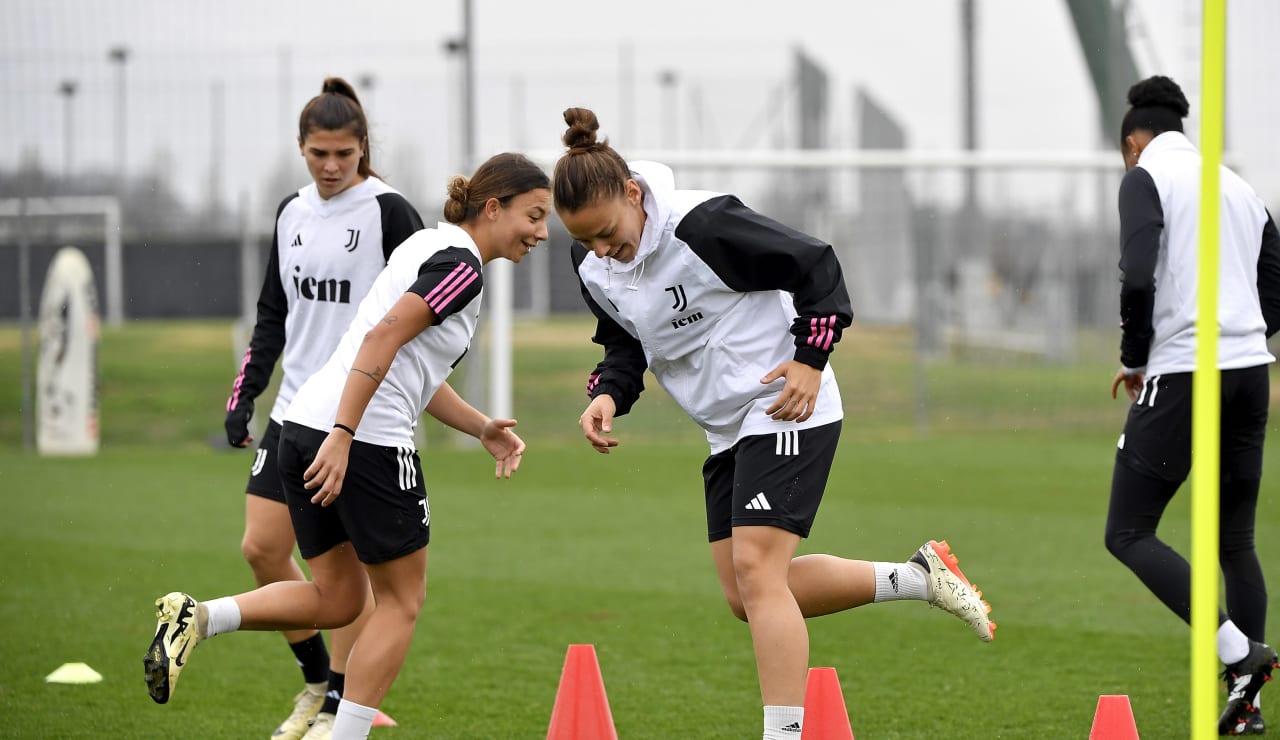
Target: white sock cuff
(223,615)
(782,721)
(896,581)
(353,721)
(1233,645)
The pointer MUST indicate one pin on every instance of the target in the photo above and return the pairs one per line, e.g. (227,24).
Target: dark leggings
(1137,503)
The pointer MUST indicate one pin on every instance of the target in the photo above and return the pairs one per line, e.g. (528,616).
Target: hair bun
(1159,92)
(583,126)
(459,193)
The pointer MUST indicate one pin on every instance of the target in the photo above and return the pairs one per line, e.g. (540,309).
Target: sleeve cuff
(814,358)
(1131,371)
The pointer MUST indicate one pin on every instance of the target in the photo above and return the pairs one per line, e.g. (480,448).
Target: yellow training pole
(1206,390)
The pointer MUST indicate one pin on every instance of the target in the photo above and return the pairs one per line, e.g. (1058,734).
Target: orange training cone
(825,716)
(1113,720)
(582,709)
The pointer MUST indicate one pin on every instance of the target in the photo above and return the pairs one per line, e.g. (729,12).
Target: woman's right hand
(328,470)
(597,421)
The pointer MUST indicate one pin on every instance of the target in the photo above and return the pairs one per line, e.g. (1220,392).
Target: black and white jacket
(1159,248)
(324,256)
(715,298)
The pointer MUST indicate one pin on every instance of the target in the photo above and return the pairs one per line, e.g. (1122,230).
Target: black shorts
(769,480)
(382,509)
(1157,435)
(264,474)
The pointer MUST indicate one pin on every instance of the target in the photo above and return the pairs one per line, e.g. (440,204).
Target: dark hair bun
(1159,92)
(582,128)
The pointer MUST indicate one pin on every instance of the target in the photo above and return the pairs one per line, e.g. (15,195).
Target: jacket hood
(657,181)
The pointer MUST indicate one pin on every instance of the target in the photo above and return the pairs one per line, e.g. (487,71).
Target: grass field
(1013,467)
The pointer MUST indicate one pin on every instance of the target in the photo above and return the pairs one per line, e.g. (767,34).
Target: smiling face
(610,227)
(514,229)
(333,158)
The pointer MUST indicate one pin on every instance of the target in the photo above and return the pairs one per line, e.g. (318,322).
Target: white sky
(262,60)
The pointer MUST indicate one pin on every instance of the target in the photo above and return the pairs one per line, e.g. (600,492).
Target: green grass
(584,548)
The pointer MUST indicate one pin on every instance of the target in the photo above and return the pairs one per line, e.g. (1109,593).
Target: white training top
(1174,164)
(443,266)
(325,254)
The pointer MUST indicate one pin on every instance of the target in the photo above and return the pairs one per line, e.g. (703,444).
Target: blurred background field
(1013,467)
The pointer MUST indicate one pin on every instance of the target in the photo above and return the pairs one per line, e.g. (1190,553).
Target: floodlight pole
(119,55)
(67,88)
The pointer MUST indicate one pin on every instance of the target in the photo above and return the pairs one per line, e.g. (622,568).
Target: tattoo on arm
(389,319)
(375,375)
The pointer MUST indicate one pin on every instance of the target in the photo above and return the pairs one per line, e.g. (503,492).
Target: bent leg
(268,548)
(334,598)
(1137,503)
(821,584)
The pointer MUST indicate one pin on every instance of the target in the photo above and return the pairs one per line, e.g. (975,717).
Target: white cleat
(950,590)
(322,729)
(305,707)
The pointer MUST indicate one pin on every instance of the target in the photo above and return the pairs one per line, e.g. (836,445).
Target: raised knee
(1119,540)
(263,555)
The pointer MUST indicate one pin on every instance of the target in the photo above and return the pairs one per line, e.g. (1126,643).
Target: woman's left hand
(799,395)
(329,468)
(504,445)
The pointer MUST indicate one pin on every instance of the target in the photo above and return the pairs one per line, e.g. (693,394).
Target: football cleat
(1244,680)
(1250,723)
(322,728)
(176,636)
(950,590)
(305,706)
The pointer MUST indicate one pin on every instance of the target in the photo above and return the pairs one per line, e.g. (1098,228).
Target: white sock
(896,581)
(1233,645)
(353,721)
(223,616)
(780,723)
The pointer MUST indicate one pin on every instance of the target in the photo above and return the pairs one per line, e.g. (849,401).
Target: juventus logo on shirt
(681,302)
(353,240)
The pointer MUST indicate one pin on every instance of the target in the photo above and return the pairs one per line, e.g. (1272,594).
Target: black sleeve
(399,220)
(621,372)
(268,331)
(752,252)
(1269,276)
(1141,223)
(448,281)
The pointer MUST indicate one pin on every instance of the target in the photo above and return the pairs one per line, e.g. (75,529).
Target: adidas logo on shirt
(297,241)
(759,503)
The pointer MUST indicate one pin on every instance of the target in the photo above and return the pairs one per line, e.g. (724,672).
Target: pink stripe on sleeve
(821,332)
(443,302)
(234,400)
(443,286)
